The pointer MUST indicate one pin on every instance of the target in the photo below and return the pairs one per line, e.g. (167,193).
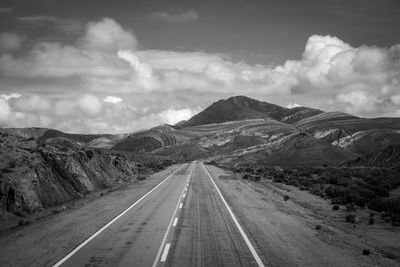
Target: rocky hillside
(35,175)
(242,108)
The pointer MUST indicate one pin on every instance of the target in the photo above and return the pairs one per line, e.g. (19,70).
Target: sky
(97,66)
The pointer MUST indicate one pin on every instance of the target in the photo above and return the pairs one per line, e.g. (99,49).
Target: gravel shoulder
(49,238)
(284,232)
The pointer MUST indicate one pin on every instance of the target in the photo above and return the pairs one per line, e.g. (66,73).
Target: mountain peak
(242,108)
(233,109)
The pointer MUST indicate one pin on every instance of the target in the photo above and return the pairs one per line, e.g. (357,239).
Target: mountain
(241,129)
(242,108)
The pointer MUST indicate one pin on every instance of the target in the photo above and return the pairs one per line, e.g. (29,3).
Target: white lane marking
(165,253)
(180,205)
(246,239)
(168,228)
(184,195)
(175,222)
(69,255)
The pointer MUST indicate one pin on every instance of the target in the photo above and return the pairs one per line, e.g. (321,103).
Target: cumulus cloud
(108,35)
(10,96)
(360,102)
(186,16)
(112,99)
(142,72)
(105,62)
(293,105)
(172,116)
(32,104)
(90,105)
(11,41)
(4,110)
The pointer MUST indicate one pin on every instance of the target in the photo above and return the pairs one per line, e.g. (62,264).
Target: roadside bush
(392,204)
(371,221)
(89,154)
(246,176)
(335,207)
(376,205)
(350,218)
(366,252)
(286,198)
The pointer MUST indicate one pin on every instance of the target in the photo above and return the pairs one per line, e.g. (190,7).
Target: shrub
(371,221)
(23,222)
(286,198)
(246,176)
(89,154)
(318,227)
(350,218)
(350,207)
(335,207)
(392,204)
(366,252)
(12,164)
(376,205)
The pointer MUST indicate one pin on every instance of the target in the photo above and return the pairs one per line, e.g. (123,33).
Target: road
(183,221)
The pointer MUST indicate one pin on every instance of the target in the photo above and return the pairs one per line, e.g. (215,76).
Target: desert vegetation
(374,188)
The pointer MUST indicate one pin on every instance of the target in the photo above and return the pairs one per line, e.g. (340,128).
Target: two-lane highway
(183,221)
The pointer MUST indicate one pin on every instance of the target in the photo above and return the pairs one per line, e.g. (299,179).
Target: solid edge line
(70,254)
(169,227)
(246,239)
(165,253)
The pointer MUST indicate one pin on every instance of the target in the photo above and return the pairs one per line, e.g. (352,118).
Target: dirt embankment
(35,175)
(304,230)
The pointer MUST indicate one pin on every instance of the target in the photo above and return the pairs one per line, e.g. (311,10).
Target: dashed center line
(165,253)
(173,222)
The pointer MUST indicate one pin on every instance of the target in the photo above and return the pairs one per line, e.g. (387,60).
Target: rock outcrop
(35,175)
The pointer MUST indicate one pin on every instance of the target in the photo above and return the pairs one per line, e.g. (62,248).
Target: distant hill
(241,129)
(243,108)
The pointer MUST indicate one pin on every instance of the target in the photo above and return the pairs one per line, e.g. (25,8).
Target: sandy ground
(285,233)
(48,239)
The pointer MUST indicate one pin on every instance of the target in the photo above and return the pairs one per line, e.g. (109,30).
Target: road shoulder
(284,232)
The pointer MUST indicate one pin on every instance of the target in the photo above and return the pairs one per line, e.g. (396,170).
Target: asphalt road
(184,221)
(207,234)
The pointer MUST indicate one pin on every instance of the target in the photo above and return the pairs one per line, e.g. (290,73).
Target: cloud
(142,75)
(360,102)
(293,105)
(105,65)
(10,96)
(11,41)
(108,35)
(4,110)
(67,25)
(172,116)
(32,104)
(186,16)
(112,99)
(90,105)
